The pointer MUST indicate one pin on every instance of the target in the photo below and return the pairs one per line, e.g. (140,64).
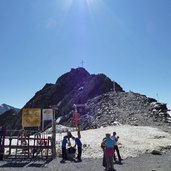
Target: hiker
(115,138)
(64,152)
(103,148)
(78,143)
(109,152)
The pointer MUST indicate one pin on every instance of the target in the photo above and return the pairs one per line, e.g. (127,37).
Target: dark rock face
(74,87)
(9,119)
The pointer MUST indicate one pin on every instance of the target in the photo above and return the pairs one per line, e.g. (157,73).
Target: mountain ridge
(73,87)
(106,102)
(4,107)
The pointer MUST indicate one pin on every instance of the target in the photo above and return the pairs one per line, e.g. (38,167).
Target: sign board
(31,117)
(80,108)
(76,119)
(47,114)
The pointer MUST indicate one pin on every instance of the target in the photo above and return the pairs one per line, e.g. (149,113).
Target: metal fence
(28,144)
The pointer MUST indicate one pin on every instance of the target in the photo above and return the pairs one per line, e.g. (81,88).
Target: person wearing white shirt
(115,138)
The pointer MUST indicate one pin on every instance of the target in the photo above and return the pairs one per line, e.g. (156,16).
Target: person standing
(109,152)
(103,148)
(115,138)
(64,152)
(78,143)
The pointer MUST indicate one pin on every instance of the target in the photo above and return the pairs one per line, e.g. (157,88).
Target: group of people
(109,146)
(66,142)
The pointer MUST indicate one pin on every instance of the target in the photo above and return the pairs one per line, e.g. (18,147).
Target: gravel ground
(134,145)
(145,162)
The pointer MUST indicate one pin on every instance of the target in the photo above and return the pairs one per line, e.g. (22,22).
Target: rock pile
(124,108)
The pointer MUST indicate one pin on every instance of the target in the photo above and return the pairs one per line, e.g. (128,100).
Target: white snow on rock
(133,141)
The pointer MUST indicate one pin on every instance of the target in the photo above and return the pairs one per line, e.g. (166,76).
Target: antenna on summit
(157,97)
(82,64)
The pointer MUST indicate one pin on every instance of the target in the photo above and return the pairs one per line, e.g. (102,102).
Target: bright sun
(90,3)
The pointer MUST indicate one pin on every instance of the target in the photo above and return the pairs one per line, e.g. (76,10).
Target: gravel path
(145,162)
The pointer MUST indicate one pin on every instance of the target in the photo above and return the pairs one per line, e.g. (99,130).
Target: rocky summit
(115,108)
(105,103)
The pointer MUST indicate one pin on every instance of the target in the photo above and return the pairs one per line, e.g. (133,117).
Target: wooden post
(54,132)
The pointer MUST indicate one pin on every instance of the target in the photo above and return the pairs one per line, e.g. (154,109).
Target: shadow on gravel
(22,163)
(14,164)
(118,163)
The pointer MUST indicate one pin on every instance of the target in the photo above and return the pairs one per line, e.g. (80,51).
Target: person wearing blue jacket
(109,152)
(78,143)
(64,152)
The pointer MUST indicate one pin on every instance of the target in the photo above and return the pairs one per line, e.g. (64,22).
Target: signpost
(79,109)
(31,117)
(47,115)
(76,119)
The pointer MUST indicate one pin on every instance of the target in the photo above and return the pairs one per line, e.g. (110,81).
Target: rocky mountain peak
(4,107)
(74,87)
(75,75)
(106,102)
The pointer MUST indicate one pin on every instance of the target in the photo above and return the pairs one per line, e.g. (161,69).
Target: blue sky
(128,40)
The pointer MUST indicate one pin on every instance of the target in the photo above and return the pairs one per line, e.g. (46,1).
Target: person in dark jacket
(78,143)
(104,164)
(64,152)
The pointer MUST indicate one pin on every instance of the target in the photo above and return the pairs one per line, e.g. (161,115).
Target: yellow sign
(31,117)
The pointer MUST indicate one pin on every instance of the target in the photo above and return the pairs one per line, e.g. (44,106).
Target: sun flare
(89,3)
